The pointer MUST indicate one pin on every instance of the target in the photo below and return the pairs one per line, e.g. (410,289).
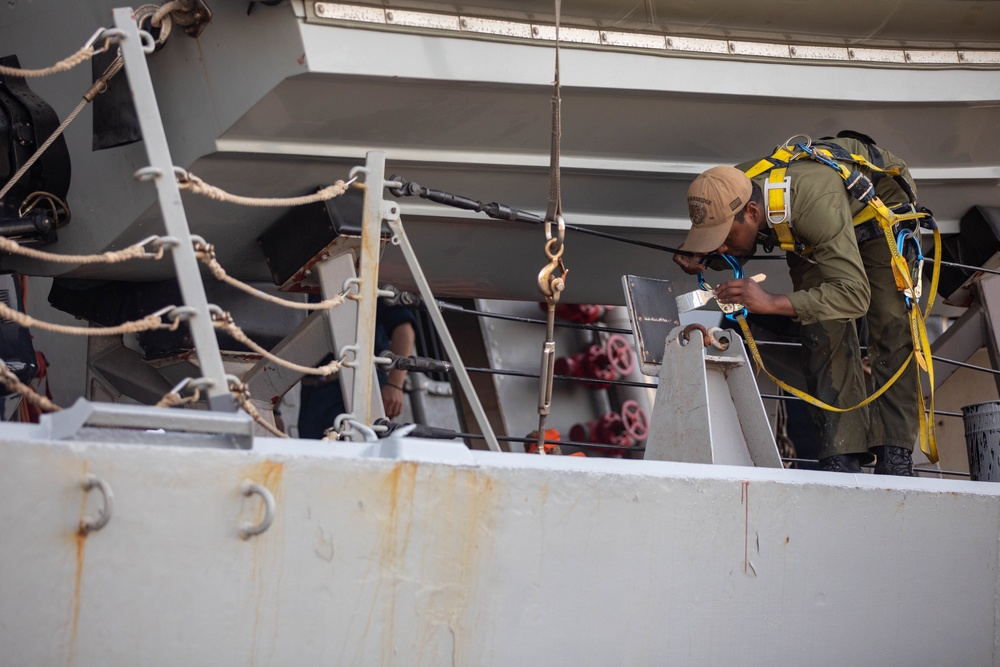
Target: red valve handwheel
(636,420)
(620,354)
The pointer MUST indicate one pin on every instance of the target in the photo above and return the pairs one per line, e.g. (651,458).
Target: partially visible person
(322,400)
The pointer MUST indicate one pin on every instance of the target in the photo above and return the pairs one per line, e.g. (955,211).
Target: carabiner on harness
(732,310)
(912,295)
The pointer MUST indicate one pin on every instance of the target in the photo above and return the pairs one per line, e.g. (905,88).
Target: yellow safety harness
(777,195)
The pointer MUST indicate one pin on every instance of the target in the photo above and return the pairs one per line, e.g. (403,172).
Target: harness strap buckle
(860,187)
(778,207)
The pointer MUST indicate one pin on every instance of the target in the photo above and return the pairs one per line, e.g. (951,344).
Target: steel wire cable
(563,443)
(592,327)
(589,445)
(567,378)
(455,308)
(780,397)
(932,471)
(766,256)
(647,385)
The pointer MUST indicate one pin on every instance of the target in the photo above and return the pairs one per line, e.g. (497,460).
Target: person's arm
(841,291)
(401,343)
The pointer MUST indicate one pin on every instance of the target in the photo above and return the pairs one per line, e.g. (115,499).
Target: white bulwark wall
(416,553)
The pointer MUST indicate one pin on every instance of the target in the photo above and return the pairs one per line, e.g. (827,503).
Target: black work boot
(891,460)
(841,463)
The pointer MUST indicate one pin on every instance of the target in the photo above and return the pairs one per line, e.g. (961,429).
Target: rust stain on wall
(398,486)
(267,547)
(81,543)
(80,539)
(451,563)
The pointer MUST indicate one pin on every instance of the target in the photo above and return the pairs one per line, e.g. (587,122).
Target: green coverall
(836,284)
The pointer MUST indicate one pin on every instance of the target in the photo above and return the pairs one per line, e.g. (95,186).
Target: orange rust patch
(269,474)
(398,487)
(81,543)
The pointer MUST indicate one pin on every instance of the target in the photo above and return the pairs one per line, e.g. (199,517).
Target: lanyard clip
(550,284)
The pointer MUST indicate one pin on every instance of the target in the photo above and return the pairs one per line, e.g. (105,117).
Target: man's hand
(392,400)
(754,297)
(690,264)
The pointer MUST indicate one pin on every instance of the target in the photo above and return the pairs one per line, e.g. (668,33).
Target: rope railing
(242,394)
(134,251)
(205,252)
(224,321)
(85,53)
(188,181)
(96,88)
(14,385)
(147,323)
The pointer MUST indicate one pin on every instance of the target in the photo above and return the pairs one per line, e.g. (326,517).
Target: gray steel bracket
(978,327)
(119,423)
(708,408)
(399,238)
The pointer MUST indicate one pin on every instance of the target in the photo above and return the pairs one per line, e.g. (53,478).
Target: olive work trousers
(835,375)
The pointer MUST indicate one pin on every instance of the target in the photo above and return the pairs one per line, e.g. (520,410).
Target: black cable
(509,214)
(568,378)
(965,365)
(966,266)
(566,443)
(778,397)
(455,308)
(932,471)
(864,348)
(591,327)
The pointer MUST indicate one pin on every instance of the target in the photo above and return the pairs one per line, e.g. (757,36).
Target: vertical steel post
(371,237)
(342,327)
(174,219)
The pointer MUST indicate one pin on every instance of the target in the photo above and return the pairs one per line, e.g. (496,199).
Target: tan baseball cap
(714,199)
